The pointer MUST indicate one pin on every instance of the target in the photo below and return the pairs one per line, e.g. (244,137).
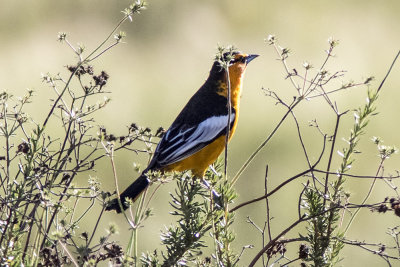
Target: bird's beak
(250,58)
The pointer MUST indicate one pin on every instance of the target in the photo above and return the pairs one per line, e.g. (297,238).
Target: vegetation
(40,225)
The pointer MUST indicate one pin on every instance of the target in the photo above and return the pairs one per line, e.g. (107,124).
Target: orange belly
(199,162)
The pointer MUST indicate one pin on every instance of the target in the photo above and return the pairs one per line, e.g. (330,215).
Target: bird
(197,136)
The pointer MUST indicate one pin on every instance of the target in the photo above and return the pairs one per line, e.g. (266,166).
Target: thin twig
(328,167)
(117,188)
(262,145)
(273,241)
(388,72)
(228,125)
(272,192)
(358,176)
(366,197)
(268,222)
(68,253)
(282,184)
(267,203)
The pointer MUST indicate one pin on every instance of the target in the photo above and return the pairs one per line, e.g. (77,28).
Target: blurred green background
(167,55)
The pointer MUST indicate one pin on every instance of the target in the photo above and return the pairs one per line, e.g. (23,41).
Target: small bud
(303,251)
(307,65)
(397,210)
(23,148)
(110,138)
(103,239)
(133,127)
(134,8)
(376,140)
(382,208)
(285,52)
(65,177)
(71,68)
(58,235)
(323,73)
(112,228)
(160,132)
(81,48)
(101,79)
(332,42)
(271,39)
(85,235)
(369,79)
(89,69)
(137,6)
(136,167)
(61,36)
(119,36)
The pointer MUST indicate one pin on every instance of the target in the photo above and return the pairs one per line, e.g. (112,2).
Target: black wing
(202,120)
(182,140)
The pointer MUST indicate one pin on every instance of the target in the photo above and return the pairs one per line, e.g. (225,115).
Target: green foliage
(318,242)
(183,242)
(198,210)
(42,208)
(40,219)
(324,198)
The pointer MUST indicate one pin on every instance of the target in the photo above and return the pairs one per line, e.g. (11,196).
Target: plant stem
(228,125)
(328,167)
(366,197)
(262,145)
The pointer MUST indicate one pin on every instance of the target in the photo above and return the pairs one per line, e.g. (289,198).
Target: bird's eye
(233,61)
(241,59)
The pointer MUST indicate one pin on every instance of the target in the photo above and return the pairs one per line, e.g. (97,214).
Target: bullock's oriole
(197,136)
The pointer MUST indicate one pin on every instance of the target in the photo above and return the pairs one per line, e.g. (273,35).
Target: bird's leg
(208,186)
(214,171)
(216,197)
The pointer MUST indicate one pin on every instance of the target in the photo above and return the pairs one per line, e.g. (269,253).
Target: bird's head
(236,61)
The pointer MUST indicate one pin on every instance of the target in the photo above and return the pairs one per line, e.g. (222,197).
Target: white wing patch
(190,140)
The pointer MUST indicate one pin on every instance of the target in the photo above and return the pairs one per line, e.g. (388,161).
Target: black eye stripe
(241,59)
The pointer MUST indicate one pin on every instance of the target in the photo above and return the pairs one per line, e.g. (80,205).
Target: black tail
(132,192)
